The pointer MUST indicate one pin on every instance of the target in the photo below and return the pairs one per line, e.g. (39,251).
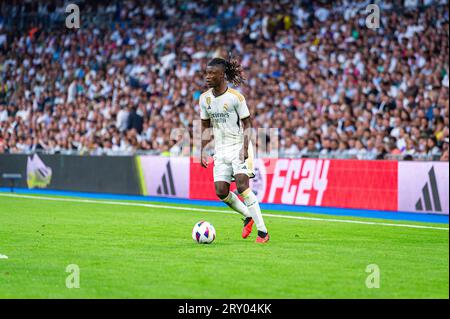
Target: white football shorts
(227,164)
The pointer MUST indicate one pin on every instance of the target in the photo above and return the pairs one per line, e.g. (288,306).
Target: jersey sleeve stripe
(236,93)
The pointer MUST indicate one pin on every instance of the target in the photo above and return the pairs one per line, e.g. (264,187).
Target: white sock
(251,201)
(235,203)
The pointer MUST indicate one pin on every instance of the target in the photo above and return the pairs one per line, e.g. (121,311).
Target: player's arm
(247,126)
(205,137)
(244,115)
(206,124)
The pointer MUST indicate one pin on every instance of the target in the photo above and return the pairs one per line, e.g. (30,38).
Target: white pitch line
(350,221)
(3,256)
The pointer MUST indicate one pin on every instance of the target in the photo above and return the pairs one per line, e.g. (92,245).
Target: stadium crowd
(331,85)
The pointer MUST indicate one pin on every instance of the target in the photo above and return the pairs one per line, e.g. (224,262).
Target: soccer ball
(203,232)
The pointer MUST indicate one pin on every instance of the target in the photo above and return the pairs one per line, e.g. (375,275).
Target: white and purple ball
(203,232)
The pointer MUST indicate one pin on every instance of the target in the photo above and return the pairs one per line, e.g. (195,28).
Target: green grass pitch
(142,252)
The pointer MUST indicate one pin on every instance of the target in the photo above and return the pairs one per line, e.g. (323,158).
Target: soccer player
(226,110)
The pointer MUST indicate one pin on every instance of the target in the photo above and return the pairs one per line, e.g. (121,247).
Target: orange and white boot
(248,225)
(262,237)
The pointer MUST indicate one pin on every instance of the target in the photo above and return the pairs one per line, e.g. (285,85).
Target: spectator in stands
(135,120)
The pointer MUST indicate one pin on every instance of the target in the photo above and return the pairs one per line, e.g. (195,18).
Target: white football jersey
(225,112)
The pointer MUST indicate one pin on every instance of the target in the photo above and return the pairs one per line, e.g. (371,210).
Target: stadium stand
(133,72)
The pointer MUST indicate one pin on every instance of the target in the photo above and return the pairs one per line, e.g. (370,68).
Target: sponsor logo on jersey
(219,117)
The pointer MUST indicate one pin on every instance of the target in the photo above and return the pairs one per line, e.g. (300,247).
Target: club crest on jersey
(208,101)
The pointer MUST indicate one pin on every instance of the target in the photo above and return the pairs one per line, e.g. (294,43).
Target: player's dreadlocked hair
(233,70)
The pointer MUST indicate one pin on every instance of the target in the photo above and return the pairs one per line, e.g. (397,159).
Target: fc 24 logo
(298,179)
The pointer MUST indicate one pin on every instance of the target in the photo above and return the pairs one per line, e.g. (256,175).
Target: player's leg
(222,180)
(248,223)
(230,198)
(251,201)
